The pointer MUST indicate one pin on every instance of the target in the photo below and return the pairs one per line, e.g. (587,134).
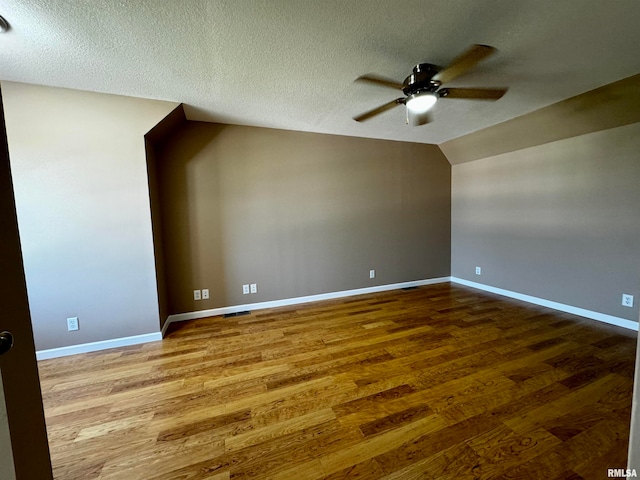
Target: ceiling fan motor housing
(421,79)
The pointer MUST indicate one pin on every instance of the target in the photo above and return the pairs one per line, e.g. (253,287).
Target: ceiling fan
(422,87)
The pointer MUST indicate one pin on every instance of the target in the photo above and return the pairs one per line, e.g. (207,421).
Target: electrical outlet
(73,324)
(245,289)
(254,288)
(627,300)
(372,274)
(197,295)
(478,271)
(205,294)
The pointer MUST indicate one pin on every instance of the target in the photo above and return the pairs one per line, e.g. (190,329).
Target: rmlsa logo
(621,473)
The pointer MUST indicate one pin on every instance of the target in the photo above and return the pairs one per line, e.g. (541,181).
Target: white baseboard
(180,317)
(153,337)
(620,322)
(95,346)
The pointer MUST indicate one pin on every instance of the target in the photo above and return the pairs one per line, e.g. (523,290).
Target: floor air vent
(237,314)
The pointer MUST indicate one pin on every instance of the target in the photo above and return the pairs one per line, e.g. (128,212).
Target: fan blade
(382,108)
(464,62)
(384,82)
(473,93)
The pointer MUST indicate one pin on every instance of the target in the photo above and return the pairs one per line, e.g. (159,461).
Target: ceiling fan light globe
(421,102)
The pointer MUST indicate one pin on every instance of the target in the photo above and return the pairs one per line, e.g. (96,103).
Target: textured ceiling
(291,63)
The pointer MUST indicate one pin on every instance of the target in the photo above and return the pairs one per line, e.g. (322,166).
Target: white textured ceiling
(291,63)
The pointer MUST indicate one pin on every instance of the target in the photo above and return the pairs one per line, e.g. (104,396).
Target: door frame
(23,396)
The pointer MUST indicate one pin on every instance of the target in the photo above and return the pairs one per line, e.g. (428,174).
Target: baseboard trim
(153,337)
(95,346)
(180,317)
(602,317)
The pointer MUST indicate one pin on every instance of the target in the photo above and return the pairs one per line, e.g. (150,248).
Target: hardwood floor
(437,382)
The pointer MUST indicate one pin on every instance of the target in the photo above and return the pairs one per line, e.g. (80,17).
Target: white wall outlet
(73,324)
(205,294)
(372,274)
(254,288)
(627,300)
(478,271)
(245,289)
(197,295)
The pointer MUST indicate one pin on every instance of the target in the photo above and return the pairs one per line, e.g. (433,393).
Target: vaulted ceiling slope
(290,64)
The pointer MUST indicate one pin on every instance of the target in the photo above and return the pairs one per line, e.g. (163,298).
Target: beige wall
(79,169)
(557,221)
(297,213)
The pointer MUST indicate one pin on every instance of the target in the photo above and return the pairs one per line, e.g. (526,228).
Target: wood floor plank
(372,447)
(453,462)
(431,444)
(368,469)
(279,429)
(503,448)
(544,414)
(437,382)
(395,420)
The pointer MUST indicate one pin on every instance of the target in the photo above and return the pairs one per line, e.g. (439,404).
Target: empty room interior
(295,239)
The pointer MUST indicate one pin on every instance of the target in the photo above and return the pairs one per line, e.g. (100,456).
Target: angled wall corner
(165,128)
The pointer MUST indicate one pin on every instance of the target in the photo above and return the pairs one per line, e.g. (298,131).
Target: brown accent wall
(297,213)
(610,106)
